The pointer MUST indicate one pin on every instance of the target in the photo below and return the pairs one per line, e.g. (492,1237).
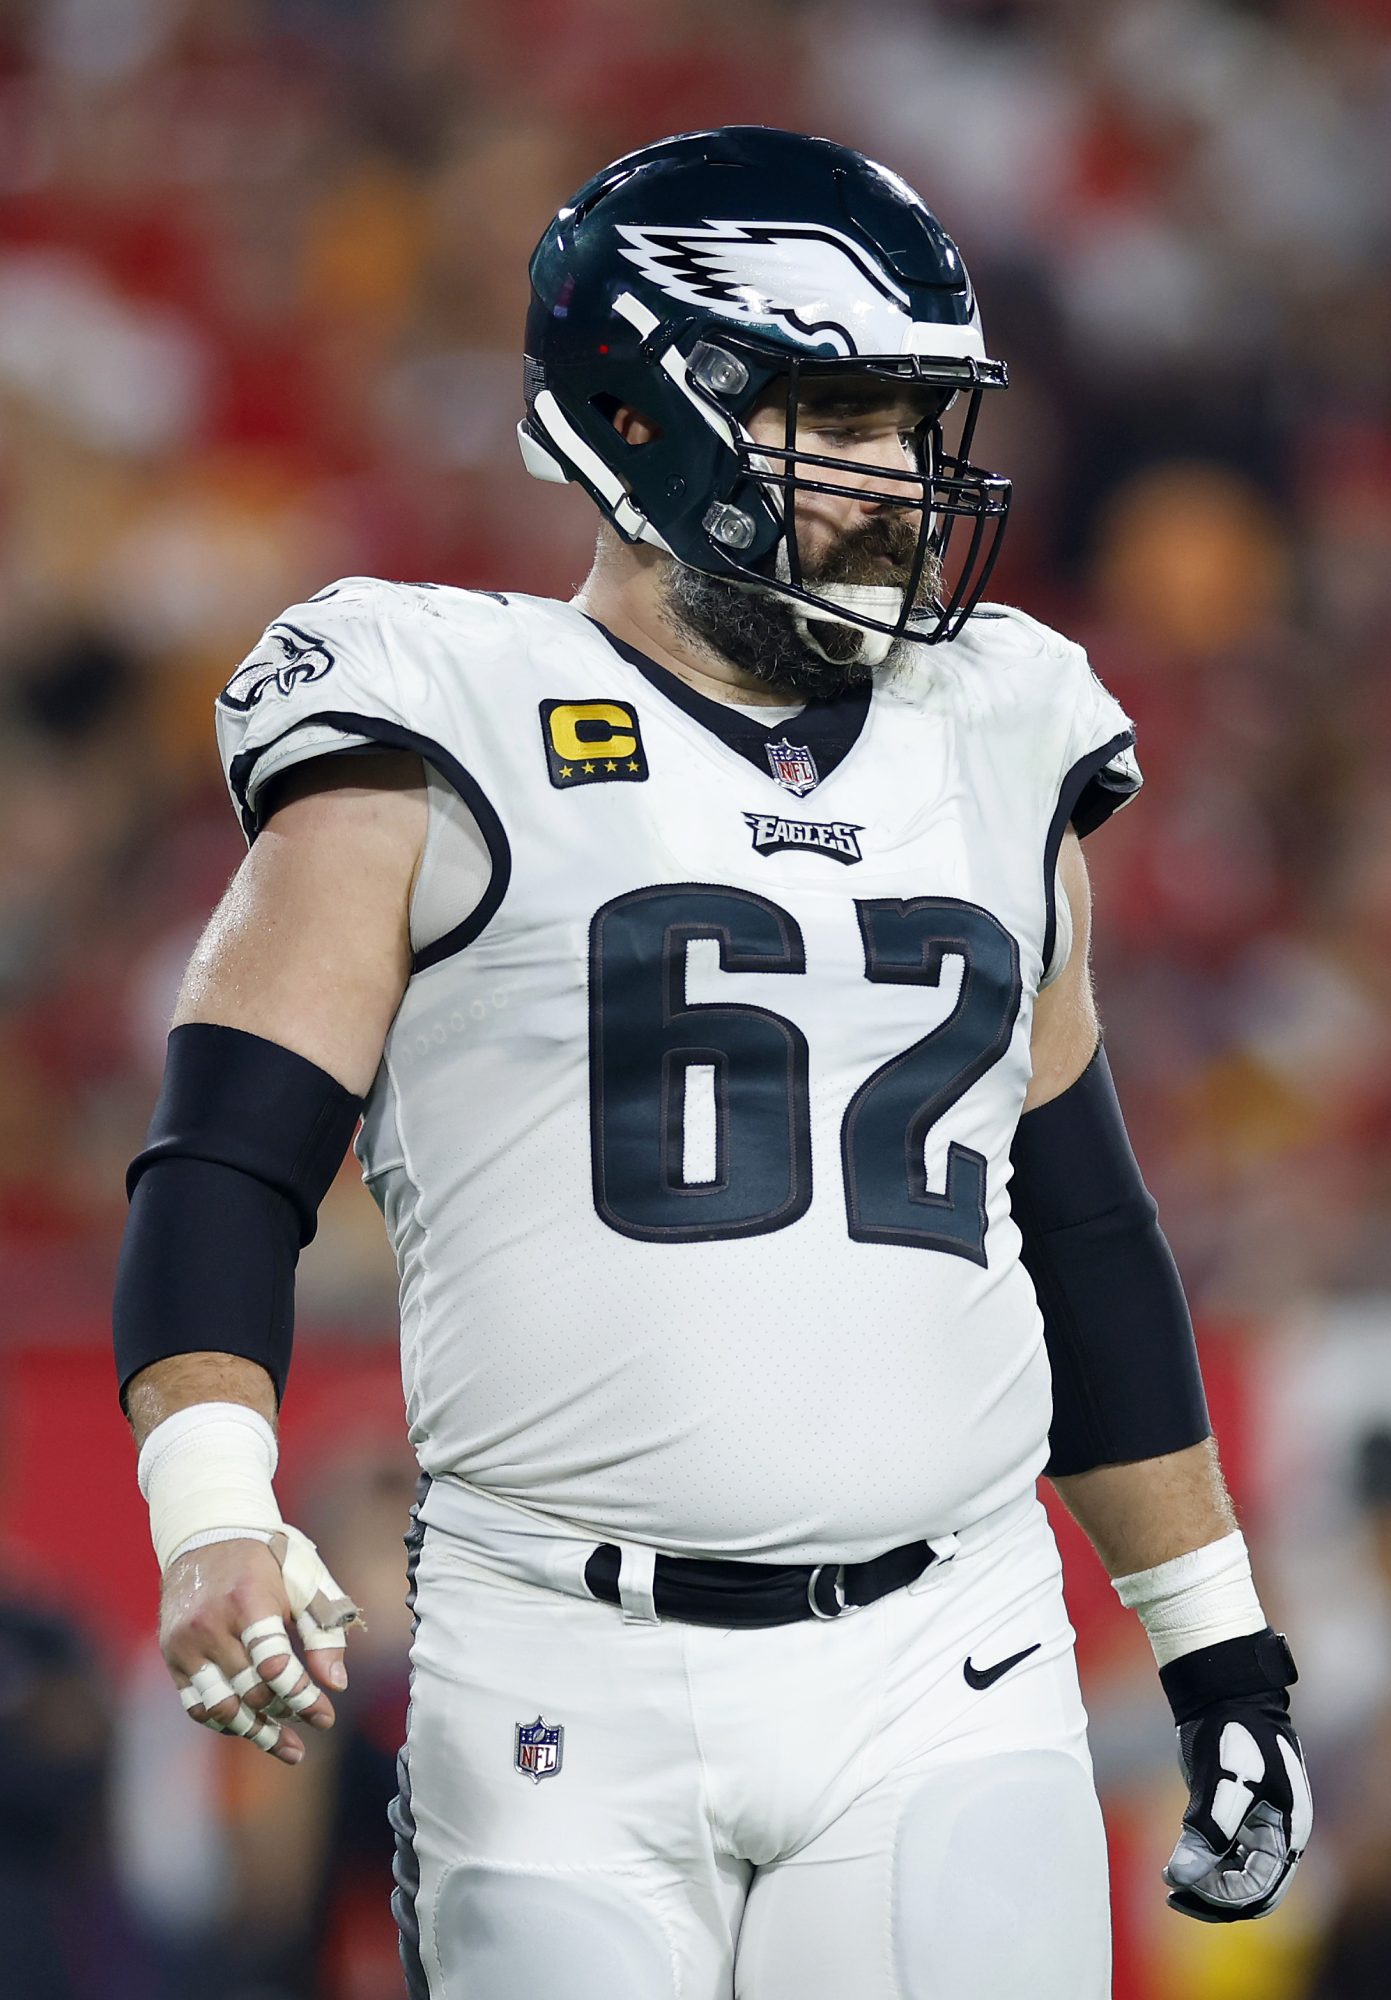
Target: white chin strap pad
(883,601)
(870,600)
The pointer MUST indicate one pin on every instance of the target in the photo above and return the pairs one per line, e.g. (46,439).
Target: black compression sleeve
(1126,1381)
(254,1105)
(207,1261)
(244,1144)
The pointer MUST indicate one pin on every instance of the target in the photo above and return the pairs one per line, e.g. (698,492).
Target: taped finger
(311,1589)
(264,1733)
(320,1638)
(212,1685)
(299,1699)
(291,1677)
(291,1687)
(266,1640)
(244,1682)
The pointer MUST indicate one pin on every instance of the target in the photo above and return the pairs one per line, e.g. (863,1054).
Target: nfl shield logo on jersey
(794,767)
(539,1749)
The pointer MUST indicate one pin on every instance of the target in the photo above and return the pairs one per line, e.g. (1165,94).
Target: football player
(706,962)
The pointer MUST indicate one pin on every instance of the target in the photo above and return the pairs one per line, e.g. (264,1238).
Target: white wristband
(206,1472)
(1196,1599)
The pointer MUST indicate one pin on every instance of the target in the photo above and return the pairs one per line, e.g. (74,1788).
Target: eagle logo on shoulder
(819,284)
(284,658)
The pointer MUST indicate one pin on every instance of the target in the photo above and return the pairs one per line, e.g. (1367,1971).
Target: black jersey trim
(401,1813)
(1085,803)
(393,736)
(830,729)
(243,766)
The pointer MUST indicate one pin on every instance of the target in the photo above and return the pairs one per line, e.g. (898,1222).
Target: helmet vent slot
(608,405)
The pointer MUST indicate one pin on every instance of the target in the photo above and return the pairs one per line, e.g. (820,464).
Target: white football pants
(821,1811)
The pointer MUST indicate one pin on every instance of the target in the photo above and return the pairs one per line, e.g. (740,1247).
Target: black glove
(1250,1810)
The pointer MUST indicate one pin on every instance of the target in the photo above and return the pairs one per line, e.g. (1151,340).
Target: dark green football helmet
(690,279)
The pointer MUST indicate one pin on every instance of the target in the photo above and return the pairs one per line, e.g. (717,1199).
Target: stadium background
(262,276)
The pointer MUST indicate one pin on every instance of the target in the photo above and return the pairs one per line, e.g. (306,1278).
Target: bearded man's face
(841,539)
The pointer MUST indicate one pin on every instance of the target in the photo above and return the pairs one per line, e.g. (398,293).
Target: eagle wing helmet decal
(805,276)
(713,274)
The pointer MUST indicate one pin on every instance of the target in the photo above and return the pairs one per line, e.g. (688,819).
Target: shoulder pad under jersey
(1011,663)
(355,666)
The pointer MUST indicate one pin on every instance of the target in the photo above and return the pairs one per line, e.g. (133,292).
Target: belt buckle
(837,1586)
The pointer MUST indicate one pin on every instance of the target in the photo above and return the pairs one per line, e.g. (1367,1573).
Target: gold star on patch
(596,742)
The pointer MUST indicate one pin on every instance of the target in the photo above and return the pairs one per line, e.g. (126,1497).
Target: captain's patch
(592,743)
(837,837)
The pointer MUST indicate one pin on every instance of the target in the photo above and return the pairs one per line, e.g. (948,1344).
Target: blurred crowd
(262,281)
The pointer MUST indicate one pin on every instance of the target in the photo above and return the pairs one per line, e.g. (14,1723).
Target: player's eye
(854,430)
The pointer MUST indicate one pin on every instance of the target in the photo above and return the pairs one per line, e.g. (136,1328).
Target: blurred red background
(262,278)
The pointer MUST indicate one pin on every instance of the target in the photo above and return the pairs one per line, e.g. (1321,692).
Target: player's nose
(886,477)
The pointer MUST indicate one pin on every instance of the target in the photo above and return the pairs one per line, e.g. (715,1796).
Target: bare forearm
(166,1386)
(1139,1515)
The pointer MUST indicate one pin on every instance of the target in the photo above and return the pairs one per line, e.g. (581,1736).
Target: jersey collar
(829,729)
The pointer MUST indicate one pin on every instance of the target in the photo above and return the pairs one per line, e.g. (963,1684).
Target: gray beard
(756,633)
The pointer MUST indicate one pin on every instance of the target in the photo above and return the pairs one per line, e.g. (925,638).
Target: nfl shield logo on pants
(794,767)
(538,1749)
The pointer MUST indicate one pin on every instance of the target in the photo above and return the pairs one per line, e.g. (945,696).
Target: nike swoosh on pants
(984,1677)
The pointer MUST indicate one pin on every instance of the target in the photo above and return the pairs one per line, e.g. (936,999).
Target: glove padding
(1250,1809)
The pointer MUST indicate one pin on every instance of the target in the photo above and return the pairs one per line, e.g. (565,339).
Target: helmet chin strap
(873,600)
(882,601)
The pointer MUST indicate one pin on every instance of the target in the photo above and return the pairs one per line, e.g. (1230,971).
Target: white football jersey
(692,1132)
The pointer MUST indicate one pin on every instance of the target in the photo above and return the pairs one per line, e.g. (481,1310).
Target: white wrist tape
(206,1472)
(1195,1599)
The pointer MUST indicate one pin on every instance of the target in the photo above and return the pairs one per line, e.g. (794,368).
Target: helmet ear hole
(632,426)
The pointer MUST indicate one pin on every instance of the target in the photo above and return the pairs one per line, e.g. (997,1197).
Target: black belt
(699,1592)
